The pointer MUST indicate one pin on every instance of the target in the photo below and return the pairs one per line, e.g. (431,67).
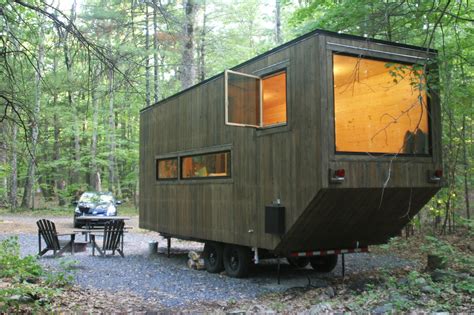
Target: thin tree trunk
(75,125)
(466,169)
(155,51)
(3,162)
(188,72)
(14,169)
(28,193)
(278,38)
(111,133)
(147,61)
(95,175)
(202,45)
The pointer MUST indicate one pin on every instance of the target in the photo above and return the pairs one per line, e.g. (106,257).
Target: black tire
(298,262)
(213,257)
(323,263)
(237,260)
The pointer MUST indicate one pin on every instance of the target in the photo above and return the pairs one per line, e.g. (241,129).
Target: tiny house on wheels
(324,145)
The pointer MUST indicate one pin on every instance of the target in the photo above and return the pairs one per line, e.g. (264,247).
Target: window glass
(274,99)
(243,97)
(380,107)
(206,165)
(167,168)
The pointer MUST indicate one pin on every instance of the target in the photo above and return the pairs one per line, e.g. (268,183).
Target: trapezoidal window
(379,106)
(167,169)
(206,165)
(255,101)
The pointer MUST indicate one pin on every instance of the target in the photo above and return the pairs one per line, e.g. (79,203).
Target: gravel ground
(169,282)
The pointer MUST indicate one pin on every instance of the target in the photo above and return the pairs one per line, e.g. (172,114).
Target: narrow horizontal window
(167,169)
(380,106)
(206,165)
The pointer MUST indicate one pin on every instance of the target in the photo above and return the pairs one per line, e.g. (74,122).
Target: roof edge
(289,43)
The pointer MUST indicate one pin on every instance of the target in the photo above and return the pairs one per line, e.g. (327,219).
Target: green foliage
(26,280)
(12,265)
(448,253)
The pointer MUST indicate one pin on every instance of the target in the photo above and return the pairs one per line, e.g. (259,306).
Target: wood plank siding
(290,162)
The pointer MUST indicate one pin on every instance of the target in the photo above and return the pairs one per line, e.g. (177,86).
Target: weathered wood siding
(290,163)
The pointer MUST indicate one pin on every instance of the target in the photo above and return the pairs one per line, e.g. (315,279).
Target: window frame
(269,75)
(229,166)
(226,96)
(260,77)
(333,100)
(157,168)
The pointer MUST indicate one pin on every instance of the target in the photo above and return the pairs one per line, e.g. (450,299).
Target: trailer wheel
(213,257)
(323,263)
(236,261)
(298,262)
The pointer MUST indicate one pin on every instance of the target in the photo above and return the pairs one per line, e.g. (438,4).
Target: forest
(76,73)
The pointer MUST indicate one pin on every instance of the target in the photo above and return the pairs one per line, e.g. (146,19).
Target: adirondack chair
(47,230)
(112,238)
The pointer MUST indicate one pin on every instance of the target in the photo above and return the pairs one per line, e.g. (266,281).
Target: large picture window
(379,106)
(206,165)
(167,168)
(255,101)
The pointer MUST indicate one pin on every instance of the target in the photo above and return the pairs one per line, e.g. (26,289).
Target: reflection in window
(206,165)
(274,99)
(379,107)
(167,168)
(243,99)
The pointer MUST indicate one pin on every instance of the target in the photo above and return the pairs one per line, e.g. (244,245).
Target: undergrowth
(24,284)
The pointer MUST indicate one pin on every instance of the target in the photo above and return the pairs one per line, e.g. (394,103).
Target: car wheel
(298,262)
(236,260)
(213,257)
(323,263)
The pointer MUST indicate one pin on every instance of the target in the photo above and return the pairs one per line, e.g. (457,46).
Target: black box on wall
(275,219)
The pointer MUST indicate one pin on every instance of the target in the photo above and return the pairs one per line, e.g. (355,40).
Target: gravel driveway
(169,282)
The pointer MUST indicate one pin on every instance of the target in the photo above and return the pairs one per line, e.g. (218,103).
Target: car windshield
(96,198)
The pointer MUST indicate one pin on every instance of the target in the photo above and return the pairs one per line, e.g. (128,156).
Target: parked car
(95,204)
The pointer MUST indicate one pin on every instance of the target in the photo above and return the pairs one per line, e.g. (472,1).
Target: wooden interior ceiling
(376,113)
(274,99)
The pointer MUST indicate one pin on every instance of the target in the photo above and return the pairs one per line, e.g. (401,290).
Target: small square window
(167,169)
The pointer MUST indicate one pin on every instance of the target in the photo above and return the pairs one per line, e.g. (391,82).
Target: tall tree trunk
(14,169)
(278,38)
(147,60)
(72,106)
(202,45)
(3,163)
(155,51)
(28,193)
(188,72)
(95,175)
(111,133)
(466,168)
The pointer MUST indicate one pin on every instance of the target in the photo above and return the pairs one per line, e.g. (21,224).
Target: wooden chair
(47,230)
(112,238)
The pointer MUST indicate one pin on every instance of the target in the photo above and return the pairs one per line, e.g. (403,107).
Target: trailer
(326,144)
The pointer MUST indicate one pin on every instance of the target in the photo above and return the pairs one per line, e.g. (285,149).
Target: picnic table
(90,222)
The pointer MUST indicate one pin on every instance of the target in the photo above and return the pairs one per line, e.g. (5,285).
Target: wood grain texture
(290,162)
